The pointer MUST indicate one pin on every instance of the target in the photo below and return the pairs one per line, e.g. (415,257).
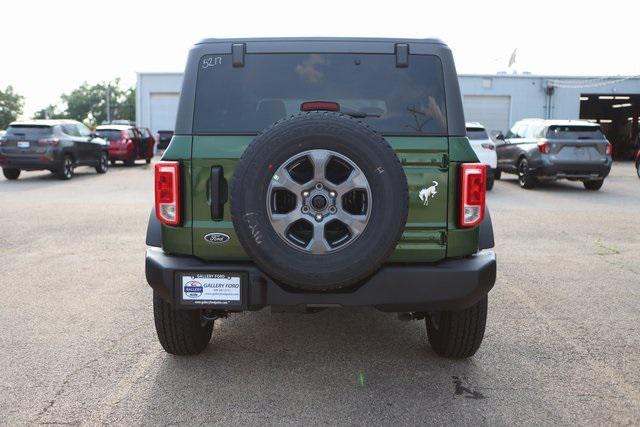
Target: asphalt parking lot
(79,346)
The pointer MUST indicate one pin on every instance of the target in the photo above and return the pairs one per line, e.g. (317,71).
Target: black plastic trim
(217,203)
(237,54)
(448,285)
(485,238)
(402,55)
(154,230)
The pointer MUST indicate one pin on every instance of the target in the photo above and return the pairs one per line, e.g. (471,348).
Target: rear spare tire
(319,201)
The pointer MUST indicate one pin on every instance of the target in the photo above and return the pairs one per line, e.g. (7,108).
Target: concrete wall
(153,83)
(528,97)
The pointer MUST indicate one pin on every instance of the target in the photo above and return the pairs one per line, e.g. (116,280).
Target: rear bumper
(567,170)
(29,163)
(447,285)
(121,153)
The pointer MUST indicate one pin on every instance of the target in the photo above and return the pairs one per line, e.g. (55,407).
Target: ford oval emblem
(217,238)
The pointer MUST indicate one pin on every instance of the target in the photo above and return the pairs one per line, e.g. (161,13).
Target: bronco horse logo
(427,193)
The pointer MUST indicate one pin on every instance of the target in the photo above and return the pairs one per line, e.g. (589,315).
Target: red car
(127,143)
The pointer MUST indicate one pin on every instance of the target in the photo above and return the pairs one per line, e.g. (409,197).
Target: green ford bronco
(319,172)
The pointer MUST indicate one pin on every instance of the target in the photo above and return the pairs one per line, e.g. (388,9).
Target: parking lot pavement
(78,343)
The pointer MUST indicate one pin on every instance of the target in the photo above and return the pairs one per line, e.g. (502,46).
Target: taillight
(49,141)
(319,105)
(544,146)
(473,187)
(609,148)
(167,189)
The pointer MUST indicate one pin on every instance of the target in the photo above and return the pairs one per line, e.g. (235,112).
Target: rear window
(272,86)
(574,132)
(28,131)
(109,134)
(477,133)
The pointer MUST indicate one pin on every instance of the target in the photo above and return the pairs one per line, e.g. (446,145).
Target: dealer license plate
(211,289)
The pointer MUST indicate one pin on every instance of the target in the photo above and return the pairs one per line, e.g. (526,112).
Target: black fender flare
(154,231)
(485,238)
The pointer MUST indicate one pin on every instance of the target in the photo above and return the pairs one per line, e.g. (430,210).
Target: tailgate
(24,141)
(578,151)
(425,163)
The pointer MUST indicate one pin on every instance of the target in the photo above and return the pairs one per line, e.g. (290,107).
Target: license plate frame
(226,290)
(24,144)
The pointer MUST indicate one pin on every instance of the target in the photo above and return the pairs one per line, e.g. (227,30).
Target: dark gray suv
(538,150)
(55,145)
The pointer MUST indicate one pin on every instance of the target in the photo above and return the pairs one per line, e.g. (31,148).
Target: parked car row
(539,150)
(61,145)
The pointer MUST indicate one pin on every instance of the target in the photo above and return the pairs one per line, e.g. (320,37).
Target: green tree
(50,112)
(88,103)
(11,105)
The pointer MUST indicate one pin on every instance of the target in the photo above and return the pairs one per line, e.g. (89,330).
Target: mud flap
(485,240)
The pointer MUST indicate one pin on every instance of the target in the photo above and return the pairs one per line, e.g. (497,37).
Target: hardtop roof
(321,39)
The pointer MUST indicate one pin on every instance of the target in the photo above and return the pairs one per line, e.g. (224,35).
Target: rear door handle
(217,203)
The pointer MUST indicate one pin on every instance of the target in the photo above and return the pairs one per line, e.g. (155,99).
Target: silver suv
(537,149)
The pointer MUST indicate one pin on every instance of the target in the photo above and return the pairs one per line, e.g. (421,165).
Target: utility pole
(109,102)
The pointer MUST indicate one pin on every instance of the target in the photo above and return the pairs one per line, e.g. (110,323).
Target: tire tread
(461,331)
(180,331)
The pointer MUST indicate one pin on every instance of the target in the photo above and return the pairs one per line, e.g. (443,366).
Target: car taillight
(488,146)
(473,187)
(319,105)
(544,146)
(609,148)
(167,189)
(49,141)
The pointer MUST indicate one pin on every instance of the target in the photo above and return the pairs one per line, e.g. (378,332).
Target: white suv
(484,148)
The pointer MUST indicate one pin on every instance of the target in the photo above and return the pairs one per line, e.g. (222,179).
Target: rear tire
(638,168)
(594,185)
(11,173)
(103,163)
(457,334)
(65,171)
(490,180)
(180,332)
(525,178)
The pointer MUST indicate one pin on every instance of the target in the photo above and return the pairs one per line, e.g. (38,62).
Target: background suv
(484,148)
(55,145)
(127,143)
(537,149)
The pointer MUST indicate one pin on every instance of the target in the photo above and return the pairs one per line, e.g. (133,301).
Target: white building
(495,100)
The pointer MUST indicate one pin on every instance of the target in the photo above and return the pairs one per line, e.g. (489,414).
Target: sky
(51,47)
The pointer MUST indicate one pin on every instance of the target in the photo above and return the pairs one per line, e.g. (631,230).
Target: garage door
(490,111)
(164,108)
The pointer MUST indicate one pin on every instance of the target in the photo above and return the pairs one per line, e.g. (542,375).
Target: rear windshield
(109,134)
(574,132)
(28,131)
(272,86)
(477,133)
